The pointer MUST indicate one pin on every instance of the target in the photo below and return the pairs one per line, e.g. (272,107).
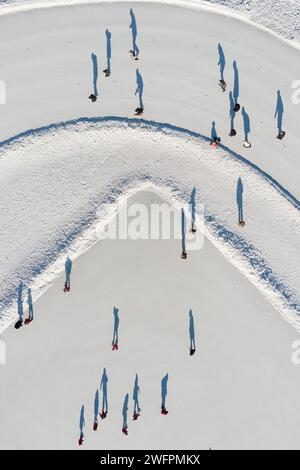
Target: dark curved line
(161,126)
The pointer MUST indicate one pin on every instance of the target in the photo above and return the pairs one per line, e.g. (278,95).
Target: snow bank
(281,16)
(42,213)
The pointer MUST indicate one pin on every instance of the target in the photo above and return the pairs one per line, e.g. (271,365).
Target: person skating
(183,235)
(193,211)
(192,333)
(115,340)
(68,270)
(135,396)
(96,411)
(30,307)
(279,115)
(103,387)
(221,64)
(139,91)
(125,415)
(94,96)
(133,26)
(107,71)
(164,393)
(247,128)
(231,115)
(20,305)
(240,203)
(215,139)
(81,426)
(236,87)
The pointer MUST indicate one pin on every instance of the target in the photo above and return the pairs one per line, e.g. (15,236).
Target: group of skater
(103,412)
(234,106)
(20,296)
(134,53)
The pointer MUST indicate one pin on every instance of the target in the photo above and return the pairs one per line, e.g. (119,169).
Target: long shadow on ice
(236,86)
(222,61)
(95,73)
(239,200)
(193,209)
(115,340)
(133,26)
(246,122)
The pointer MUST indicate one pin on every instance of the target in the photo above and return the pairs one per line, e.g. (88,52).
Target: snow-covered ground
(64,164)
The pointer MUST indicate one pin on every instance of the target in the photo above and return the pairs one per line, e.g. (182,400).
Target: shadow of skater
(236,87)
(215,139)
(279,114)
(93,96)
(239,200)
(20,305)
(183,231)
(81,425)
(30,307)
(125,415)
(247,128)
(221,64)
(103,387)
(115,340)
(139,90)
(68,270)
(193,210)
(135,396)
(135,50)
(232,132)
(96,410)
(164,393)
(192,333)
(107,71)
